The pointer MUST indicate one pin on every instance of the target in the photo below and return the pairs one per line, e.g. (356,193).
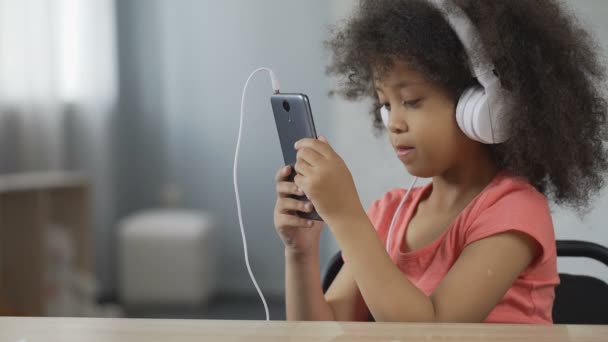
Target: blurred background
(118,126)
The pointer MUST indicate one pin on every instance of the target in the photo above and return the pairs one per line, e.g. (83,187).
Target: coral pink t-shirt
(506,204)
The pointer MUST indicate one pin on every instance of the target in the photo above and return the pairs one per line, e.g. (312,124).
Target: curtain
(57,58)
(58,93)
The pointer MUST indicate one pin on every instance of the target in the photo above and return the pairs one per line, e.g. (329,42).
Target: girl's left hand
(325,179)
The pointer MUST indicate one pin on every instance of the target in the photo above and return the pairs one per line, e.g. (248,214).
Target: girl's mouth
(403,151)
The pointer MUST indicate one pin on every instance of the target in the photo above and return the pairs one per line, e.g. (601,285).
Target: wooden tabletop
(152,330)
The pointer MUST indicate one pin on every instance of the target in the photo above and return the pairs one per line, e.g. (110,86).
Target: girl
(477,243)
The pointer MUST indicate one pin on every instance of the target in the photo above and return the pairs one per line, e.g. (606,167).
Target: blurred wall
(184,64)
(140,146)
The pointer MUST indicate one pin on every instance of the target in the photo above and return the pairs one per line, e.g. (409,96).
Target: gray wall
(211,47)
(140,143)
(183,67)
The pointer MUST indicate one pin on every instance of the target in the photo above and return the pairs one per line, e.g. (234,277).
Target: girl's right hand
(300,236)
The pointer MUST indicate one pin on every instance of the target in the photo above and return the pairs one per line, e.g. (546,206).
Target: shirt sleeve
(522,210)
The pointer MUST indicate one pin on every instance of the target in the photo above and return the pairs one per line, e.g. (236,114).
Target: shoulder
(511,196)
(511,204)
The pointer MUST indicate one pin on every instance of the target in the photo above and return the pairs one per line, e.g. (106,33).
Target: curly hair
(547,61)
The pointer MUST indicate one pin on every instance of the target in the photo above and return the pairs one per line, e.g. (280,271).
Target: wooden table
(152,330)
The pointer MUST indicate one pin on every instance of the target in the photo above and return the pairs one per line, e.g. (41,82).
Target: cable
(392,226)
(275,88)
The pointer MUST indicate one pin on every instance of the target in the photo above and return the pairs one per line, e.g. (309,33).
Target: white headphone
(480,111)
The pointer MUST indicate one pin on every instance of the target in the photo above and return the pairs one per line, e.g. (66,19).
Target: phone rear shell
(293,125)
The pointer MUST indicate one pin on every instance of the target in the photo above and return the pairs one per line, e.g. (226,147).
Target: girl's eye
(386,106)
(412,103)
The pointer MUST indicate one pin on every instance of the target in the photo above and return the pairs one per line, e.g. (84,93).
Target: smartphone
(293,117)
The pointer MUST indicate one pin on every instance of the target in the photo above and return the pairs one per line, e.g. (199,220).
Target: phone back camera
(286,106)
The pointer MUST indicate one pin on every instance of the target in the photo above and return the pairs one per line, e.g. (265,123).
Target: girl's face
(422,124)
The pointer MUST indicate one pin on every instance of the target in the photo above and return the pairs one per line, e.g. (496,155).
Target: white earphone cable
(392,226)
(275,87)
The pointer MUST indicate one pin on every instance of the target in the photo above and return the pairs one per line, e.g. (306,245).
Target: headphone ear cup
(384,115)
(472,113)
(480,116)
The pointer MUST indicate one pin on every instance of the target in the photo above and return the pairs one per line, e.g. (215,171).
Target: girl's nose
(397,123)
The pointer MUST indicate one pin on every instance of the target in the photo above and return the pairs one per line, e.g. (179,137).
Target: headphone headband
(481,65)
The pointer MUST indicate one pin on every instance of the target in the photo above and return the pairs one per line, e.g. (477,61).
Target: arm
(477,281)
(303,296)
(475,284)
(305,299)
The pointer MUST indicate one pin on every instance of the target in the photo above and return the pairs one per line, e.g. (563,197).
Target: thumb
(323,139)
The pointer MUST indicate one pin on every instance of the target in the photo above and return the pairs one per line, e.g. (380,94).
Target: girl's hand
(326,181)
(300,236)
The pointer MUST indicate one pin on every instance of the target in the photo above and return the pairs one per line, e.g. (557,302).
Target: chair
(581,299)
(578,299)
(334,266)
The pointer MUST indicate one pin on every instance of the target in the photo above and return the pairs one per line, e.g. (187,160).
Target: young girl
(477,243)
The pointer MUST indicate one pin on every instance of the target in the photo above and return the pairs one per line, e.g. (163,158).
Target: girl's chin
(416,171)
